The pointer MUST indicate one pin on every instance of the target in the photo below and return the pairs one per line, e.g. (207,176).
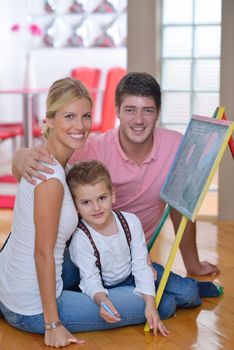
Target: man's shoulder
(168,137)
(168,133)
(96,146)
(108,135)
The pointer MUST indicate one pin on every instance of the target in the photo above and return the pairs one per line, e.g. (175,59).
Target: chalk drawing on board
(197,154)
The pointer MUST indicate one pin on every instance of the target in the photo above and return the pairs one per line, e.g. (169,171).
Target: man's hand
(26,163)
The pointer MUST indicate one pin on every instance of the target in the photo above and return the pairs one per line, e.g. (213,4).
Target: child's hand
(153,319)
(107,315)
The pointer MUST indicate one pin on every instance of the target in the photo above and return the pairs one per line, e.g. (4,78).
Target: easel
(219,115)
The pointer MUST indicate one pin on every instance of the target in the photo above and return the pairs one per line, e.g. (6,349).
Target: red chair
(7,201)
(108,108)
(90,77)
(9,131)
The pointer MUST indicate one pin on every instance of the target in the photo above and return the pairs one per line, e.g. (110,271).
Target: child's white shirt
(116,261)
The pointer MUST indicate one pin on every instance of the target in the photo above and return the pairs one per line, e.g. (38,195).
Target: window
(191,40)
(190,59)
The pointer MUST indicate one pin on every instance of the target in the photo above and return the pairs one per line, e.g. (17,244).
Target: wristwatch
(52,325)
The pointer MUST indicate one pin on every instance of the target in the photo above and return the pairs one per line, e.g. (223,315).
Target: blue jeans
(180,291)
(79,313)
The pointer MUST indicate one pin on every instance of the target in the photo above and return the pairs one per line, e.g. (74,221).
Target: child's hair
(63,92)
(88,172)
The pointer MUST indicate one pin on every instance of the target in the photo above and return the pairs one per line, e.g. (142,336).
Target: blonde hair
(63,92)
(88,172)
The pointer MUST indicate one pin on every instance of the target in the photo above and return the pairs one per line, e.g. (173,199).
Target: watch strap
(52,325)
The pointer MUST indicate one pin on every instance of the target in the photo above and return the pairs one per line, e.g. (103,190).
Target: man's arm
(26,163)
(188,247)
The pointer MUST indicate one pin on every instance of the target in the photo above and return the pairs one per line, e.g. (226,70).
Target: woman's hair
(138,84)
(62,93)
(88,172)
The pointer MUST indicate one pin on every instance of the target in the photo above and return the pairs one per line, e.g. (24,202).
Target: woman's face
(72,124)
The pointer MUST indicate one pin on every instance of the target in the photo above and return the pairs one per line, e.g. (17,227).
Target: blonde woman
(31,288)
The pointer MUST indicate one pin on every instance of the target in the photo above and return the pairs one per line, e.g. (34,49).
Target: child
(109,249)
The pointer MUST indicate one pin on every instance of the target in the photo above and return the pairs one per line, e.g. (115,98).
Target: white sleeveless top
(19,289)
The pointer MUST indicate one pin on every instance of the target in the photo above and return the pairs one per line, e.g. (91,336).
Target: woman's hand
(60,337)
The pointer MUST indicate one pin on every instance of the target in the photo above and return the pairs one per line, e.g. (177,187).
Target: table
(28,111)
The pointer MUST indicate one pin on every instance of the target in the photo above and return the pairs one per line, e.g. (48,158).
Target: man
(138,156)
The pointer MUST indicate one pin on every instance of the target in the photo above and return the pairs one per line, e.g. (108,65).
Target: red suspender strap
(125,226)
(84,228)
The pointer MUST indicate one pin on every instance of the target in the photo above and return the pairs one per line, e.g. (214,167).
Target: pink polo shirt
(137,186)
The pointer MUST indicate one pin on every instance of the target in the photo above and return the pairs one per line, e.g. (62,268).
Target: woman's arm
(48,198)
(47,206)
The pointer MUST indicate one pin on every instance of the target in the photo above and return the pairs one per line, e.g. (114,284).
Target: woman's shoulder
(58,173)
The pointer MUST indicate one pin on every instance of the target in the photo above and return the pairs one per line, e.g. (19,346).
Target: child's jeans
(179,291)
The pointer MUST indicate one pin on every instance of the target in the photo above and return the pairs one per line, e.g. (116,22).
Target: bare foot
(205,268)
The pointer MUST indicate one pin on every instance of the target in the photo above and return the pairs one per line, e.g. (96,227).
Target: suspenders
(125,227)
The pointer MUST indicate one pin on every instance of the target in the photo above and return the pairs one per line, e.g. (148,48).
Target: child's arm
(82,255)
(141,270)
(152,316)
(100,299)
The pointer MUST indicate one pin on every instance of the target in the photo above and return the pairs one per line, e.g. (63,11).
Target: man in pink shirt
(136,183)
(138,156)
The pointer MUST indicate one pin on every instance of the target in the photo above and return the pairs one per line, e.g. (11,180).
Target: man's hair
(138,84)
(88,172)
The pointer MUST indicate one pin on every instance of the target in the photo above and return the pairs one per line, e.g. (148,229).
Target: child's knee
(167,306)
(190,294)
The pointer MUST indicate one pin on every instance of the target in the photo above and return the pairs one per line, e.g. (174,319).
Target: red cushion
(7,202)
(8,179)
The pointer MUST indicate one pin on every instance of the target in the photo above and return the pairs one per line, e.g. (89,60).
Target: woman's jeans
(79,313)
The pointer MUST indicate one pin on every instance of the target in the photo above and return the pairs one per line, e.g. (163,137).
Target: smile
(98,215)
(77,136)
(138,128)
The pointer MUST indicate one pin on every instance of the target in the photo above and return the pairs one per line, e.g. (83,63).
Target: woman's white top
(19,289)
(115,258)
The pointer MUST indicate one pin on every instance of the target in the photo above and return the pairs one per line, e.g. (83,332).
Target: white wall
(49,64)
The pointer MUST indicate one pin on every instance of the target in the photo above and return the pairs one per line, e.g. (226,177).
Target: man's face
(138,116)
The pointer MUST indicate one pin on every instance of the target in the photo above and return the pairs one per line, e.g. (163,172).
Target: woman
(31,295)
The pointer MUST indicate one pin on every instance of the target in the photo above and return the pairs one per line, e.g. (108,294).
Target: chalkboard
(196,161)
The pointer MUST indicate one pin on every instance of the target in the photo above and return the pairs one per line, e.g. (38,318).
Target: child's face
(94,204)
